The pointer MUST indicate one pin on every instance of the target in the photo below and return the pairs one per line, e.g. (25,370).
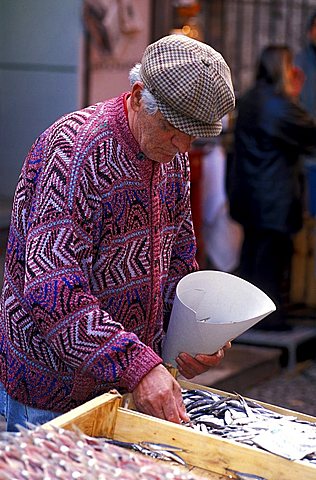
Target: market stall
(206,455)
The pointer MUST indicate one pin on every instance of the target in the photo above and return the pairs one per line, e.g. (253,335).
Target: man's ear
(136,96)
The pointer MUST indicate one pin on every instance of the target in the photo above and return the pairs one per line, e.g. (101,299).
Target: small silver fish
(162,446)
(241,420)
(245,476)
(155,450)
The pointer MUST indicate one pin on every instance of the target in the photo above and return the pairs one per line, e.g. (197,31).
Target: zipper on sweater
(155,243)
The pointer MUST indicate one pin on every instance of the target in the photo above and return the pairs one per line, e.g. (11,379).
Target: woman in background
(271,132)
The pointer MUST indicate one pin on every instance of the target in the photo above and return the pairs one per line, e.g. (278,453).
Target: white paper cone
(210,309)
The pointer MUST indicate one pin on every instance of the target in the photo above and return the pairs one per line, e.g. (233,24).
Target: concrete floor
(295,390)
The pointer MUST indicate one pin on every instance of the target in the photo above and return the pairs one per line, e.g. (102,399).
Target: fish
(245,476)
(39,454)
(248,410)
(155,450)
(248,422)
(162,446)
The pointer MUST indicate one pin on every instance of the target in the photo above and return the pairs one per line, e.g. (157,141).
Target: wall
(125,39)
(39,76)
(240,29)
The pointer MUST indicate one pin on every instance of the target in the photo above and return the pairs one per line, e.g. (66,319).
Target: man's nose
(182,141)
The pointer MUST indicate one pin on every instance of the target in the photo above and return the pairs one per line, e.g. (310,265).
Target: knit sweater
(100,235)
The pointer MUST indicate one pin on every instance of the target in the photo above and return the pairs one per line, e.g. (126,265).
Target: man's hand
(189,366)
(159,394)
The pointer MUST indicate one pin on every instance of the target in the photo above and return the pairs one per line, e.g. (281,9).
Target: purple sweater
(100,235)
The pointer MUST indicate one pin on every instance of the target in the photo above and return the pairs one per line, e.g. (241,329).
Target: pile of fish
(42,454)
(248,422)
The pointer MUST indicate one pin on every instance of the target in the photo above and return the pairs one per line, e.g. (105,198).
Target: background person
(101,233)
(271,132)
(306,60)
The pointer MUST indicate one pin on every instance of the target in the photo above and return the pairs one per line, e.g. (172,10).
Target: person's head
(180,90)
(311,29)
(275,67)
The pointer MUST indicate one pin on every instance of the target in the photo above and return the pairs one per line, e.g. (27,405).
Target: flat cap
(191,83)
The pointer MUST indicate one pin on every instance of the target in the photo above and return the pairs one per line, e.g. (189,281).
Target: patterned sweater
(99,237)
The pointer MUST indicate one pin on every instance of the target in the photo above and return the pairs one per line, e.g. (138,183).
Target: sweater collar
(120,127)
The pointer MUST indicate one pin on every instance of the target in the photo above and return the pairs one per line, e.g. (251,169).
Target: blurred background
(59,56)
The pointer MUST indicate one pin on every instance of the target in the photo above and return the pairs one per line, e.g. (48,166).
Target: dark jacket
(265,183)
(306,60)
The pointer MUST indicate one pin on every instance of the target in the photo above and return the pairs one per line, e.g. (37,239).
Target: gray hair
(150,103)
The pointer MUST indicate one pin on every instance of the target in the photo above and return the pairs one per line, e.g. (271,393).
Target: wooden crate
(303,275)
(208,455)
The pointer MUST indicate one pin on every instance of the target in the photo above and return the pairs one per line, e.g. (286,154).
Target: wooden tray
(208,455)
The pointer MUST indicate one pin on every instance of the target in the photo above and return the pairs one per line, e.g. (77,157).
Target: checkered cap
(191,83)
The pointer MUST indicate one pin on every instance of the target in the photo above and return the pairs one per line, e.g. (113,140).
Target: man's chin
(164,158)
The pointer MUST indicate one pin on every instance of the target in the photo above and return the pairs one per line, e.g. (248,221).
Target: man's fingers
(189,367)
(211,360)
(183,414)
(170,410)
(180,403)
(159,410)
(159,394)
(184,367)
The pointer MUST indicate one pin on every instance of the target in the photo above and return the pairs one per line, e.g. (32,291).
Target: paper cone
(210,309)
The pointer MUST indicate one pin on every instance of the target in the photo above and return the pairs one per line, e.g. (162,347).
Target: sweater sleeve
(59,261)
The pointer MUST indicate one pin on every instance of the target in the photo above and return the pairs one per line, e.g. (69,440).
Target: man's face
(157,138)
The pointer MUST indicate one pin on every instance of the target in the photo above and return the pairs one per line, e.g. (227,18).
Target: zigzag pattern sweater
(99,237)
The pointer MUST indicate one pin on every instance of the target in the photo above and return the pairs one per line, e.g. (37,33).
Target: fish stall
(228,436)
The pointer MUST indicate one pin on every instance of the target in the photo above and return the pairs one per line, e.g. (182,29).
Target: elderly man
(101,234)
